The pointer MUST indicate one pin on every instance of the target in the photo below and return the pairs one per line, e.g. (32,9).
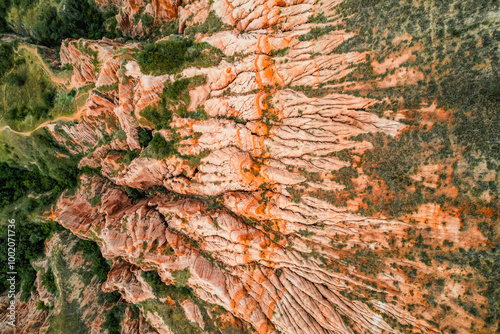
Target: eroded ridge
(243,185)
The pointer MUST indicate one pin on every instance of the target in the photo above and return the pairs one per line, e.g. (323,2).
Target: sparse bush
(181,277)
(175,54)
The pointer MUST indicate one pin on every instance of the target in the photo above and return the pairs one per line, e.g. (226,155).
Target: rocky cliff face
(261,206)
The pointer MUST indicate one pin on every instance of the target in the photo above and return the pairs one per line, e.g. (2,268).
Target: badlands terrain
(292,166)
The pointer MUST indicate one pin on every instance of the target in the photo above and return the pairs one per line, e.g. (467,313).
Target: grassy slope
(29,96)
(454,45)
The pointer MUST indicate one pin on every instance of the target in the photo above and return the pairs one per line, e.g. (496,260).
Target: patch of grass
(30,246)
(48,22)
(161,290)
(6,58)
(173,316)
(316,33)
(49,281)
(159,148)
(68,320)
(114,318)
(365,261)
(96,200)
(28,97)
(306,233)
(210,26)
(160,118)
(175,54)
(181,277)
(92,252)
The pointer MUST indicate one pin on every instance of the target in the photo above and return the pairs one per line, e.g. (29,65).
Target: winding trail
(73,117)
(55,79)
(47,70)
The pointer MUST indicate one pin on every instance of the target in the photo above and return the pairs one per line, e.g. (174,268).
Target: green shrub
(6,58)
(316,32)
(320,18)
(92,252)
(147,20)
(181,277)
(306,233)
(175,54)
(49,281)
(113,319)
(210,26)
(160,119)
(16,79)
(158,148)
(161,290)
(144,136)
(30,246)
(49,23)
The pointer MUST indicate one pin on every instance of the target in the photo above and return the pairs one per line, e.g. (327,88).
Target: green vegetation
(210,26)
(316,32)
(28,95)
(49,281)
(394,160)
(159,148)
(175,54)
(31,178)
(114,318)
(26,193)
(488,264)
(280,52)
(96,200)
(320,18)
(175,317)
(75,283)
(144,137)
(6,58)
(30,246)
(306,233)
(454,47)
(174,99)
(160,119)
(48,22)
(181,277)
(17,182)
(458,56)
(161,290)
(92,252)
(147,20)
(40,151)
(69,320)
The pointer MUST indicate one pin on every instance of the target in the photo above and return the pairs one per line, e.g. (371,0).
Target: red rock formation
(193,312)
(252,201)
(249,286)
(126,278)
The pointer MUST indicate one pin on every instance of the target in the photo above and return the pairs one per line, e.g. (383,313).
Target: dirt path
(54,78)
(47,70)
(75,116)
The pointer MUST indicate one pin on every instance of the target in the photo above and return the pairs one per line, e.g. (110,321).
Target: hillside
(253,167)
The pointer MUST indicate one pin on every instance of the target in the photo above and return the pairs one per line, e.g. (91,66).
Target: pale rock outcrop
(136,324)
(195,12)
(127,279)
(230,241)
(193,312)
